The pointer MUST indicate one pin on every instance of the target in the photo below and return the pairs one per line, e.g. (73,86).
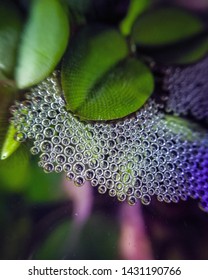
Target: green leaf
(186,52)
(192,53)
(48,190)
(10,145)
(122,91)
(165,26)
(91,54)
(80,6)
(136,8)
(79,9)
(43,43)
(66,241)
(14,170)
(10,29)
(7,95)
(98,84)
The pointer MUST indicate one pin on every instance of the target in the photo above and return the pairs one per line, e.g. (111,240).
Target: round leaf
(10,28)
(165,26)
(93,52)
(120,92)
(186,52)
(194,52)
(98,84)
(43,43)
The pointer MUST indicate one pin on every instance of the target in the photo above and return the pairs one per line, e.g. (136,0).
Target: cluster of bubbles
(188,90)
(132,159)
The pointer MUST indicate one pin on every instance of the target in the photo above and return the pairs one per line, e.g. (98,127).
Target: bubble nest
(133,159)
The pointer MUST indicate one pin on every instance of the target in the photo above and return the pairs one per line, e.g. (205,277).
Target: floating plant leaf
(165,26)
(43,43)
(10,28)
(193,52)
(123,90)
(14,170)
(135,9)
(10,145)
(98,84)
(92,53)
(181,53)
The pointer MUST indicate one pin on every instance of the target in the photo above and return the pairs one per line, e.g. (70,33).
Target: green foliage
(136,8)
(96,83)
(165,26)
(194,51)
(7,94)
(170,36)
(42,188)
(9,145)
(66,242)
(10,29)
(123,90)
(92,53)
(14,171)
(43,42)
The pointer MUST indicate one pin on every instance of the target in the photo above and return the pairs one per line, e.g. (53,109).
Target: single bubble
(58,149)
(131,200)
(126,178)
(93,163)
(99,172)
(78,168)
(69,151)
(35,150)
(59,127)
(94,182)
(119,187)
(48,167)
(79,181)
(121,197)
(65,141)
(89,174)
(46,146)
(46,122)
(129,191)
(70,176)
(60,159)
(112,192)
(52,113)
(102,189)
(107,174)
(146,199)
(20,137)
(44,157)
(31,135)
(56,140)
(58,168)
(48,132)
(67,167)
